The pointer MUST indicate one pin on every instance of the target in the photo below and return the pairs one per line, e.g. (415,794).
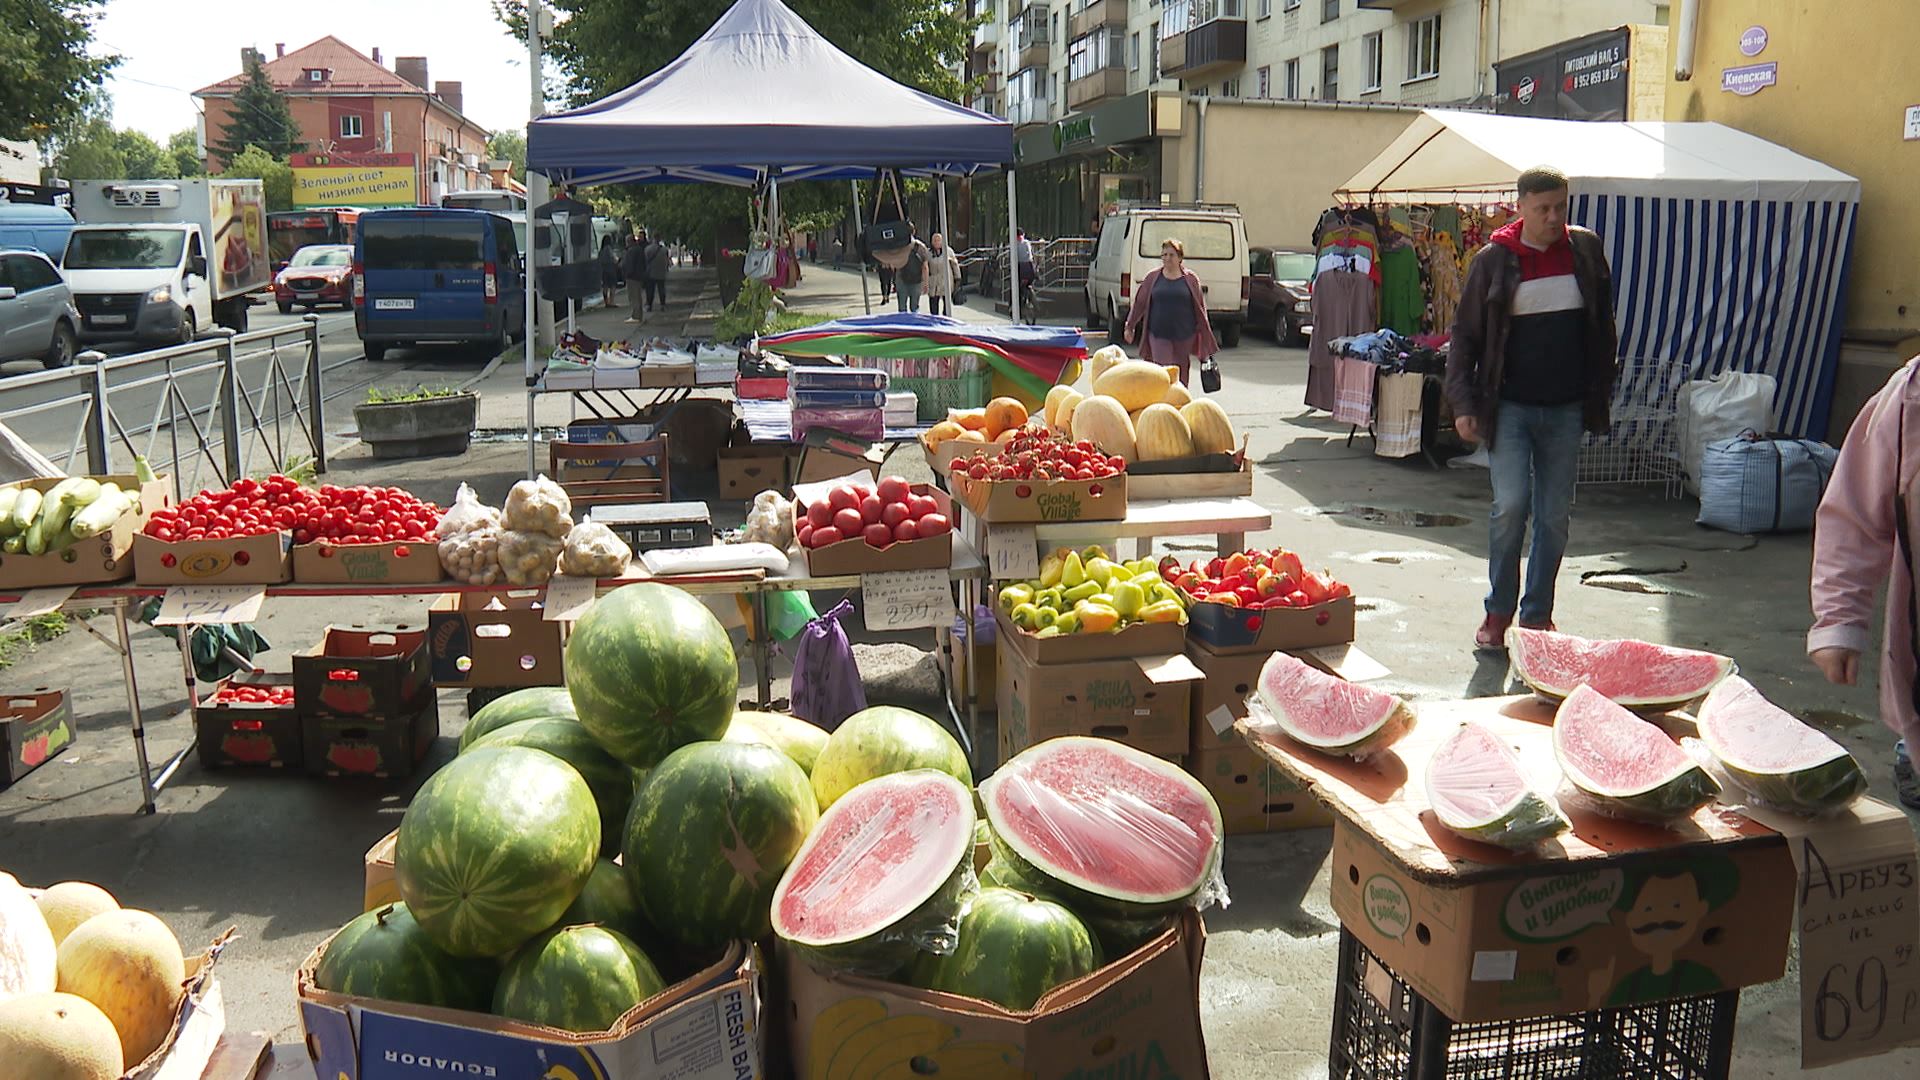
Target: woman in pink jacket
(1865,536)
(1177,328)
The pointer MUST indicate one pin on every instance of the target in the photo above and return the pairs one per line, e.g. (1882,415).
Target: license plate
(393,305)
(313,296)
(110,320)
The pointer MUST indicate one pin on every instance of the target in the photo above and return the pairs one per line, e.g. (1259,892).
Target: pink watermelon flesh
(1769,753)
(879,853)
(1625,671)
(1327,712)
(1106,818)
(1473,777)
(1626,762)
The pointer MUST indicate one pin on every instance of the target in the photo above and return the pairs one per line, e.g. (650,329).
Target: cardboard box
(981,668)
(944,454)
(1001,502)
(34,726)
(1138,639)
(389,563)
(1221,698)
(199,1020)
(380,886)
(242,560)
(1191,483)
(363,671)
(856,556)
(1254,796)
(707,1027)
(1138,1016)
(377,746)
(826,454)
(247,734)
(494,639)
(95,560)
(1227,629)
(746,471)
(1142,701)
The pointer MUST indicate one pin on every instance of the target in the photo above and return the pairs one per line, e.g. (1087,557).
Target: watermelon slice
(1626,766)
(1327,712)
(883,874)
(1104,829)
(1477,788)
(1772,756)
(1637,674)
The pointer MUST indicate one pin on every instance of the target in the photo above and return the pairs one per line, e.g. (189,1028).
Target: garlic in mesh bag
(592,550)
(538,506)
(528,558)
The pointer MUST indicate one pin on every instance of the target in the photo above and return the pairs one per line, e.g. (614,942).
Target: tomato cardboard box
(945,453)
(96,560)
(1254,796)
(1138,639)
(494,639)
(1140,701)
(362,671)
(1001,502)
(746,471)
(1138,1016)
(379,746)
(241,560)
(247,733)
(395,562)
(379,885)
(706,1027)
(1227,629)
(34,726)
(856,556)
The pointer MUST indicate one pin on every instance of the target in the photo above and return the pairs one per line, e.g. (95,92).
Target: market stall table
(617,404)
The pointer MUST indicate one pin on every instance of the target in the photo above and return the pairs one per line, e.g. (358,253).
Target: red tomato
(843,497)
(826,535)
(892,514)
(849,521)
(876,534)
(932,525)
(919,506)
(870,508)
(906,530)
(893,489)
(803,533)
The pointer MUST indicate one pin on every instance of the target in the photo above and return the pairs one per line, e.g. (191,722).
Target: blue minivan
(428,275)
(40,228)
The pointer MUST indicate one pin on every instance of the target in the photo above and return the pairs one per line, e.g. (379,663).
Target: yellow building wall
(1647,73)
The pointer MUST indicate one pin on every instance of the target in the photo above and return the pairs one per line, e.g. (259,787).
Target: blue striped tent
(1729,252)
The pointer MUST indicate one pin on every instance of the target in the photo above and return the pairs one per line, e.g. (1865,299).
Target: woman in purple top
(1170,304)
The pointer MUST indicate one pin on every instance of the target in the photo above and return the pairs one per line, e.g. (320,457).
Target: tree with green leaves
(510,145)
(275,175)
(46,71)
(144,158)
(258,115)
(182,147)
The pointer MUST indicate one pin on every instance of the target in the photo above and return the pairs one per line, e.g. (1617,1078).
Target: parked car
(30,225)
(317,274)
(1278,297)
(1128,250)
(433,275)
(37,318)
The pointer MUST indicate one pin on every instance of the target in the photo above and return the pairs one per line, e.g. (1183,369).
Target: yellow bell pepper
(1097,618)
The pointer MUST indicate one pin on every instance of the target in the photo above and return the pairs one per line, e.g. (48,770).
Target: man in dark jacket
(633,264)
(659,261)
(1530,369)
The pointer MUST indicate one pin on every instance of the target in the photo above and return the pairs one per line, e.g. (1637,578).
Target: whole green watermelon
(650,669)
(611,781)
(576,978)
(533,703)
(494,847)
(609,900)
(881,740)
(712,830)
(790,735)
(1013,949)
(385,954)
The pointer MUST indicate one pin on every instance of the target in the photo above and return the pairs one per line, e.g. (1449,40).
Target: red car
(317,274)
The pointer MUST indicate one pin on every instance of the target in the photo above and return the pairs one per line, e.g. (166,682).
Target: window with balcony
(1330,73)
(1094,53)
(350,126)
(1290,80)
(1423,48)
(1372,49)
(1329,10)
(1263,80)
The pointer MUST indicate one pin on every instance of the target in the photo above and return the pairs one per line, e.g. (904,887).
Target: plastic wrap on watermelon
(1620,765)
(1478,789)
(1770,757)
(1324,712)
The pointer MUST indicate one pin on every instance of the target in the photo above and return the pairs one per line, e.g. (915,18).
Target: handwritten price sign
(1013,552)
(568,597)
(37,602)
(202,605)
(906,599)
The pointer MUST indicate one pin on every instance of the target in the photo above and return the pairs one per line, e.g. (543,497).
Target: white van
(1129,249)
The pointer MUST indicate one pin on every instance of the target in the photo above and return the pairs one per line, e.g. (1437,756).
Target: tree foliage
(258,116)
(46,73)
(510,144)
(275,175)
(182,148)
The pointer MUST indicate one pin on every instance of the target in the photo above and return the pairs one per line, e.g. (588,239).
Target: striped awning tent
(1729,252)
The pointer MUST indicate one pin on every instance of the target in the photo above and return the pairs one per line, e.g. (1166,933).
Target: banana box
(1136,1017)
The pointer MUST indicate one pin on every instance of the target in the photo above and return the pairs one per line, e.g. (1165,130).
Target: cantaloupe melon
(1135,384)
(129,964)
(1159,434)
(71,903)
(1101,421)
(1212,431)
(54,1036)
(27,950)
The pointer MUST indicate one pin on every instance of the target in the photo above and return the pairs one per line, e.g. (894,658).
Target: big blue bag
(1755,483)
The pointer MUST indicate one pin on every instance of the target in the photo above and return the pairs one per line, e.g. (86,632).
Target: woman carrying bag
(1170,304)
(943,270)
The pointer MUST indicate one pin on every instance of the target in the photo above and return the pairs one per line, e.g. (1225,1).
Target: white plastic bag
(539,506)
(593,551)
(1720,408)
(528,558)
(770,521)
(666,562)
(466,514)
(472,556)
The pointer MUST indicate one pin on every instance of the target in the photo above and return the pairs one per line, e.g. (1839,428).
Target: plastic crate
(1383,1030)
(936,396)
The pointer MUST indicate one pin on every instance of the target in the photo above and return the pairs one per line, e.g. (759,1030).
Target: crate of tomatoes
(1260,601)
(1042,476)
(269,531)
(372,535)
(249,720)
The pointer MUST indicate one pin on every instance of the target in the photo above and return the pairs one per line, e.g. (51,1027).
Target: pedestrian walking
(1531,367)
(885,274)
(634,265)
(839,252)
(1023,258)
(912,275)
(943,271)
(1863,539)
(659,261)
(1170,305)
(609,272)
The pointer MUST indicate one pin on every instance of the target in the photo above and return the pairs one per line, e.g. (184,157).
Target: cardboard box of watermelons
(99,559)
(706,1027)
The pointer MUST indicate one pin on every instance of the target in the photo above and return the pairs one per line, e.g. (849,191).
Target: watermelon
(533,703)
(1626,766)
(610,781)
(790,735)
(1103,828)
(385,954)
(576,978)
(1768,753)
(881,740)
(1013,949)
(711,831)
(494,847)
(608,900)
(1637,674)
(1329,713)
(886,869)
(650,669)
(1477,788)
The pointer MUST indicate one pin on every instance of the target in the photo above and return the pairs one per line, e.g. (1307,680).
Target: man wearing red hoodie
(1530,368)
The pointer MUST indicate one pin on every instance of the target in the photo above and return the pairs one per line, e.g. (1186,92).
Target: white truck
(161,260)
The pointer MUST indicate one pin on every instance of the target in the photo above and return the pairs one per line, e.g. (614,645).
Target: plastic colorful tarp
(1032,356)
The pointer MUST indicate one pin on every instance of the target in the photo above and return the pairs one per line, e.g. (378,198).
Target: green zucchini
(26,508)
(14,545)
(99,515)
(82,493)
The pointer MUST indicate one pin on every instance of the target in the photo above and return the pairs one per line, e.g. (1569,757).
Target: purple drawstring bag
(826,681)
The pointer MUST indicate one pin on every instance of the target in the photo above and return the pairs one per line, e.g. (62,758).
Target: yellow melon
(71,903)
(970,437)
(941,432)
(27,950)
(1105,358)
(1160,434)
(1135,384)
(1054,397)
(54,1036)
(1101,421)
(1178,395)
(1212,431)
(129,964)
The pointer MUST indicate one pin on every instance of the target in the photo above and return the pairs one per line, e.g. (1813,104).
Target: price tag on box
(1013,552)
(202,605)
(37,602)
(568,597)
(906,599)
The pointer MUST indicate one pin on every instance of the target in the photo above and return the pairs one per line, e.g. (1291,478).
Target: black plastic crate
(1383,1030)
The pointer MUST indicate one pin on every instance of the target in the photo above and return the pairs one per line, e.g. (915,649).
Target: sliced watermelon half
(1774,757)
(1477,788)
(1627,766)
(883,874)
(1637,674)
(1327,712)
(1103,828)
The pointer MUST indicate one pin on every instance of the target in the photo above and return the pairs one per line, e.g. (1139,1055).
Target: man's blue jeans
(1535,458)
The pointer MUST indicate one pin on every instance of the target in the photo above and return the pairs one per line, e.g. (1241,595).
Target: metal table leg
(1230,542)
(125,645)
(762,648)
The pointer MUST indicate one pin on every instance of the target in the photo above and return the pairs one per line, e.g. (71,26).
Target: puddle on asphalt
(1378,515)
(1392,558)
(1827,719)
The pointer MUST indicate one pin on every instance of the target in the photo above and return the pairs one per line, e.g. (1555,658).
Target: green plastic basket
(936,396)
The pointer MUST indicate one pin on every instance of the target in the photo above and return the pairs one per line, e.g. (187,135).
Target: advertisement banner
(354,180)
(1584,79)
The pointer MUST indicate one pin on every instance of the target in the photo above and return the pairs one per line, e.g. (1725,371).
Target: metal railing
(1061,263)
(206,413)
